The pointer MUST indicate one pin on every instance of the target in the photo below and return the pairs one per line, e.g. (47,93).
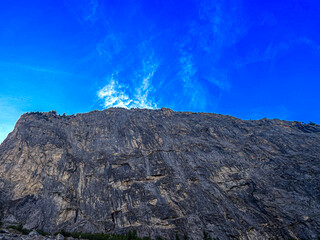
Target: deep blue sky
(250,59)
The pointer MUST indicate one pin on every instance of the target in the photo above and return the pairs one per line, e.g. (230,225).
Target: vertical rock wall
(162,172)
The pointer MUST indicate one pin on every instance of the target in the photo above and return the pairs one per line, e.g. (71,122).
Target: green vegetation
(53,112)
(177,236)
(43,233)
(20,229)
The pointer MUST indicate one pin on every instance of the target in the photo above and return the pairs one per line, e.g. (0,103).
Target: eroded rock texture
(161,172)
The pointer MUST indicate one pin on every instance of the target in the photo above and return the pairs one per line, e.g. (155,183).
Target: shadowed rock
(162,172)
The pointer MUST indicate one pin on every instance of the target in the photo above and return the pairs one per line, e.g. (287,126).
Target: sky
(250,59)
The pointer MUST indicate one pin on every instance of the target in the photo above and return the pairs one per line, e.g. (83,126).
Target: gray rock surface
(162,172)
(59,237)
(34,233)
(19,236)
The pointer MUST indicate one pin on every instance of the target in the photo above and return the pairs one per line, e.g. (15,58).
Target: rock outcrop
(162,172)
(16,235)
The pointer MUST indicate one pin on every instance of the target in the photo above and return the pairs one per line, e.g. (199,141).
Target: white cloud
(116,95)
(113,95)
(142,92)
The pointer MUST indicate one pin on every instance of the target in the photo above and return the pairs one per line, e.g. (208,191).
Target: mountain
(162,173)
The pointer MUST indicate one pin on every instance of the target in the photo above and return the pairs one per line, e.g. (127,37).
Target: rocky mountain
(162,172)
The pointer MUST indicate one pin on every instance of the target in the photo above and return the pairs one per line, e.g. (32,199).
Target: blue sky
(249,59)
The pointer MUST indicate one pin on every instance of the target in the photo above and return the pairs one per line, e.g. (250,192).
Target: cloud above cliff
(115,94)
(171,65)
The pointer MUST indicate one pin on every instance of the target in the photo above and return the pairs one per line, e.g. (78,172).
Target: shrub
(21,229)
(177,236)
(43,233)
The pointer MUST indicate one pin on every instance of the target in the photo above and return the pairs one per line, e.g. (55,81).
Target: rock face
(162,172)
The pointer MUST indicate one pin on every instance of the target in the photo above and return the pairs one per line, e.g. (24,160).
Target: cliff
(162,172)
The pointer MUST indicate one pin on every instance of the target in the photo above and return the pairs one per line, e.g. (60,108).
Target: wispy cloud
(110,46)
(187,75)
(92,11)
(201,51)
(188,69)
(310,42)
(193,87)
(115,94)
(34,68)
(220,81)
(273,50)
(141,96)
